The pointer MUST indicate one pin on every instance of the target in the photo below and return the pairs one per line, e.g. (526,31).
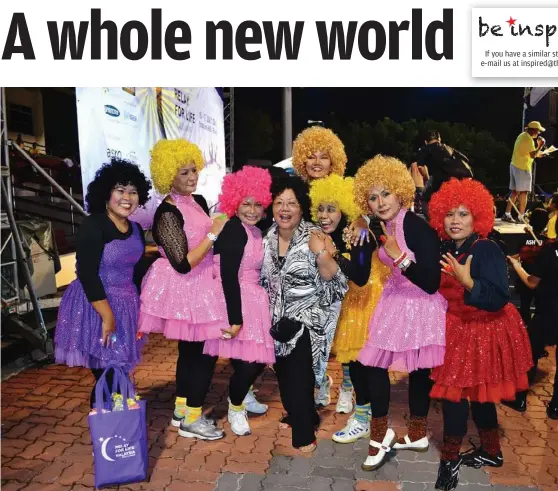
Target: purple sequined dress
(79,327)
(408,328)
(253,343)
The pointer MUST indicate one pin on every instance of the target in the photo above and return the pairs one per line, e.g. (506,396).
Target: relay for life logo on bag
(116,447)
(514,42)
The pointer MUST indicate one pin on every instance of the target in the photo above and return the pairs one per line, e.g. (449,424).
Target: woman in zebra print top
(305,287)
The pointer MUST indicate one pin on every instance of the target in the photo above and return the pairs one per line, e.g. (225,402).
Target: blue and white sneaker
(354,431)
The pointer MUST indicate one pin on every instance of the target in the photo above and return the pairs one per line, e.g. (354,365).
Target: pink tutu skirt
(253,343)
(407,330)
(187,307)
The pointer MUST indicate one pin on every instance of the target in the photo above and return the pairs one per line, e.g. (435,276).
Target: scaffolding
(228,103)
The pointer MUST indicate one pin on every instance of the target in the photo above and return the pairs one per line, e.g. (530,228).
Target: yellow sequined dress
(356,310)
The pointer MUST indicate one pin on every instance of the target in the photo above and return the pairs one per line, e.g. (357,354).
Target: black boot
(520,403)
(448,474)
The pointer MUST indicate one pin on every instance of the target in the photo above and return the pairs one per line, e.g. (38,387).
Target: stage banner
(125,122)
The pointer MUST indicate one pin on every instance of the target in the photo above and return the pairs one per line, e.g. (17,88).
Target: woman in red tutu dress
(488,353)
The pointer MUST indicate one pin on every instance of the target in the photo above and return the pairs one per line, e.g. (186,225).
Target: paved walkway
(46,444)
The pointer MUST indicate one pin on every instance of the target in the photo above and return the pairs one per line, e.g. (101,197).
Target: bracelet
(400,259)
(211,237)
(403,265)
(319,253)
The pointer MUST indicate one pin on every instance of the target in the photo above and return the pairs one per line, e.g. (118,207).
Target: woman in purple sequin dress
(98,316)
(238,262)
(407,329)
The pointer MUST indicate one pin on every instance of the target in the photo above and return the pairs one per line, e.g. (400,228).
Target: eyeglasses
(291,205)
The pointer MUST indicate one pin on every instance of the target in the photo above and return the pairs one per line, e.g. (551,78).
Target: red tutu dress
(487,355)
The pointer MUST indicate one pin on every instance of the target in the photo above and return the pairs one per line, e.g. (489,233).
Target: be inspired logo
(514,27)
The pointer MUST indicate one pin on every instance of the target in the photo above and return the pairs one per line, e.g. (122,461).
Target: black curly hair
(108,176)
(298,187)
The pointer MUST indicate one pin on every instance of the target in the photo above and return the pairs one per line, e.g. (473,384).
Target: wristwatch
(211,237)
(319,253)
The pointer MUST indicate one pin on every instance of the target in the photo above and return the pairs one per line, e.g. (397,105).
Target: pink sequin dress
(253,343)
(191,306)
(407,330)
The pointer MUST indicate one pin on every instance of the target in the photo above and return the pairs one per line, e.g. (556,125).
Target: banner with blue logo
(125,122)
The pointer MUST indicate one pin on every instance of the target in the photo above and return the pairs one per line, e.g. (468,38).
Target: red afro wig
(249,182)
(469,193)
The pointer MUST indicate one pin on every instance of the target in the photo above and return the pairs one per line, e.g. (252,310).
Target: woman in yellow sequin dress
(332,206)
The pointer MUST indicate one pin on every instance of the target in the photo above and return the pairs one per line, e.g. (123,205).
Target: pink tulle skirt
(253,342)
(403,361)
(188,307)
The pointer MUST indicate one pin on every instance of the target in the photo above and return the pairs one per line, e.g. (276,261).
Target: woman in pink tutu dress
(180,296)
(238,261)
(407,329)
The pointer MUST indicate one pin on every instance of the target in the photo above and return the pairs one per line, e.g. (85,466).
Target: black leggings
(358,378)
(456,415)
(377,381)
(245,374)
(194,372)
(296,379)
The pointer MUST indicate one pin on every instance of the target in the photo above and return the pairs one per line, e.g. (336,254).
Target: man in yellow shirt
(524,152)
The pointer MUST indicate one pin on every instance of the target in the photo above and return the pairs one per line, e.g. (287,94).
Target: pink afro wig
(249,182)
(469,193)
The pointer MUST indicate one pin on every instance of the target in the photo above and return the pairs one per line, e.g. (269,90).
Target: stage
(510,235)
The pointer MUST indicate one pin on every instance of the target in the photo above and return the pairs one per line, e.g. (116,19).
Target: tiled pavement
(46,445)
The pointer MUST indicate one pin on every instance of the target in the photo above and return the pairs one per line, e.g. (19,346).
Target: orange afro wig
(469,193)
(318,139)
(249,182)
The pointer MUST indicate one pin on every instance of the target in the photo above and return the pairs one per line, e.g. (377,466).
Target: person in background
(407,328)
(441,162)
(180,296)
(543,278)
(305,287)
(553,208)
(521,178)
(98,315)
(528,252)
(487,347)
(238,260)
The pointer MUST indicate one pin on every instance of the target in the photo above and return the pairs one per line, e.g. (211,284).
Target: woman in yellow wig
(332,203)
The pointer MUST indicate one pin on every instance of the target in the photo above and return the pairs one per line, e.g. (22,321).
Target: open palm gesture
(461,272)
(389,243)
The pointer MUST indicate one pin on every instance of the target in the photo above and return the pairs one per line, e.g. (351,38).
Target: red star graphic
(511,22)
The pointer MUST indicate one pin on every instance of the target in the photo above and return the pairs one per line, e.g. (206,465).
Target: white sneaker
(323,397)
(252,405)
(354,431)
(345,401)
(239,422)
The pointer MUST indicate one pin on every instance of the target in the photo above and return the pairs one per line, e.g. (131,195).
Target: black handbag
(285,330)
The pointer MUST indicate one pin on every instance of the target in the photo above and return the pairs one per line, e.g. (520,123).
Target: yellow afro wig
(318,139)
(387,172)
(334,189)
(168,157)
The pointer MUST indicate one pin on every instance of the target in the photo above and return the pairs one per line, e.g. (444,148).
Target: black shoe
(552,411)
(519,405)
(478,457)
(448,474)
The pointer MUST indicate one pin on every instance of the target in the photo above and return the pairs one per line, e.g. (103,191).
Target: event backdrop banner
(125,122)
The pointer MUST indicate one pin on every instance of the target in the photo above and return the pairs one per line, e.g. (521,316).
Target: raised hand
(461,272)
(389,243)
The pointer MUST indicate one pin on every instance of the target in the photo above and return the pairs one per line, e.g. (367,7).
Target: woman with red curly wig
(487,348)
(238,260)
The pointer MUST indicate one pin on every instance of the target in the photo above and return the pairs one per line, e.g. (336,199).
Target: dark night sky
(497,110)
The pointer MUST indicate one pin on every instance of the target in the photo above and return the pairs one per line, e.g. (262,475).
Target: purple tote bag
(119,438)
